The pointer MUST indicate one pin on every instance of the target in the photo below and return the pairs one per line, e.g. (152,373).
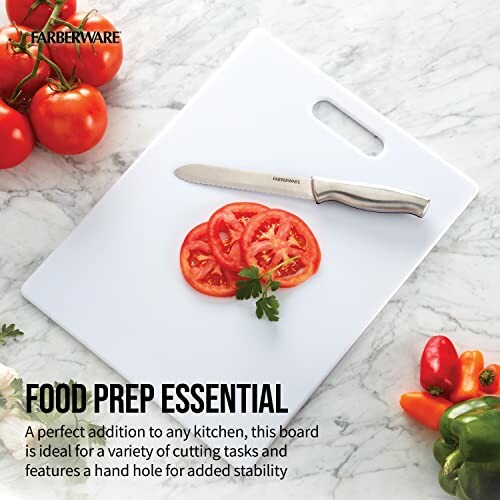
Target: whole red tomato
(14,66)
(19,12)
(16,137)
(68,122)
(96,63)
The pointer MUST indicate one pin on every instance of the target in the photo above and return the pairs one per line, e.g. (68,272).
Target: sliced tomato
(224,231)
(201,269)
(273,236)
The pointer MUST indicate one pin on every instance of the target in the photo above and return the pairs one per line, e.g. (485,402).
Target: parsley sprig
(252,287)
(9,331)
(14,397)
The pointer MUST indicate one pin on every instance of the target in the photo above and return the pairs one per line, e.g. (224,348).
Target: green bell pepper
(469,449)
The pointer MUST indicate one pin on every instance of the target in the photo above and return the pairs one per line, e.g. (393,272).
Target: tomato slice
(273,236)
(224,231)
(200,268)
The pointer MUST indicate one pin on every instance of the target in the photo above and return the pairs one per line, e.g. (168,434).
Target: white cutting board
(115,282)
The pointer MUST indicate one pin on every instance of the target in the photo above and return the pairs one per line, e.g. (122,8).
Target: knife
(319,189)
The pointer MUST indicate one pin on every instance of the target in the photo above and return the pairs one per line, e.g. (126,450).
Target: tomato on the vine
(16,137)
(274,236)
(68,122)
(201,269)
(224,231)
(14,66)
(95,63)
(21,12)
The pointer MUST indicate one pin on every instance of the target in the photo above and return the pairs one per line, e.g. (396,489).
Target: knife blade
(369,197)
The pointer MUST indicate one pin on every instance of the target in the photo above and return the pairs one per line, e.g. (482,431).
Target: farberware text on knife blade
(286,179)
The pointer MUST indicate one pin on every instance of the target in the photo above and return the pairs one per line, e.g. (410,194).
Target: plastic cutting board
(115,283)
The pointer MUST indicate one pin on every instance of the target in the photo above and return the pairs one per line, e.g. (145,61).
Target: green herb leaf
(14,396)
(259,311)
(99,441)
(248,288)
(18,388)
(268,306)
(257,285)
(249,272)
(275,285)
(9,331)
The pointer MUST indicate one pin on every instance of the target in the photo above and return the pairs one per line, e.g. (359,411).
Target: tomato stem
(86,18)
(33,6)
(59,4)
(22,45)
(50,22)
(55,67)
(68,25)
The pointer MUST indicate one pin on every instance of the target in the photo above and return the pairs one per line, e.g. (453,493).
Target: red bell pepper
(489,379)
(439,366)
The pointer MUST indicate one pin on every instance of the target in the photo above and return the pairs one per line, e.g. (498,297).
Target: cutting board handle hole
(351,130)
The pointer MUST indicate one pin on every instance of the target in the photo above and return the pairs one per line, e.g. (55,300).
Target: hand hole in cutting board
(342,124)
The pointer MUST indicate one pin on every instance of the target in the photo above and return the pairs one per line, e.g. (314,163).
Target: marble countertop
(432,67)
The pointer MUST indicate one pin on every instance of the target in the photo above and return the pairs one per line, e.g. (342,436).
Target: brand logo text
(75,37)
(286,179)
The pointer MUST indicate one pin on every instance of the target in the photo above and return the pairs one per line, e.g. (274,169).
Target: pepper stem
(435,390)
(487,377)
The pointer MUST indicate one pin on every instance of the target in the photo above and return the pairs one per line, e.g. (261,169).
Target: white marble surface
(430,66)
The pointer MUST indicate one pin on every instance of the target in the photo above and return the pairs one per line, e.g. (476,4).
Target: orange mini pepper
(468,387)
(425,408)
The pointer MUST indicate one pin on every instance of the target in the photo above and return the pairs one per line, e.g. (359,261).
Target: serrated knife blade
(295,187)
(319,189)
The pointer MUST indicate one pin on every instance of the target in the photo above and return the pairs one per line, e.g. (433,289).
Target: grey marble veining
(433,67)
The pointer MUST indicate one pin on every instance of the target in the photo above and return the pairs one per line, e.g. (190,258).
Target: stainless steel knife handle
(369,197)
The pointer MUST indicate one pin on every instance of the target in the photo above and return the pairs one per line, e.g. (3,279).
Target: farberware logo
(75,37)
(286,179)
